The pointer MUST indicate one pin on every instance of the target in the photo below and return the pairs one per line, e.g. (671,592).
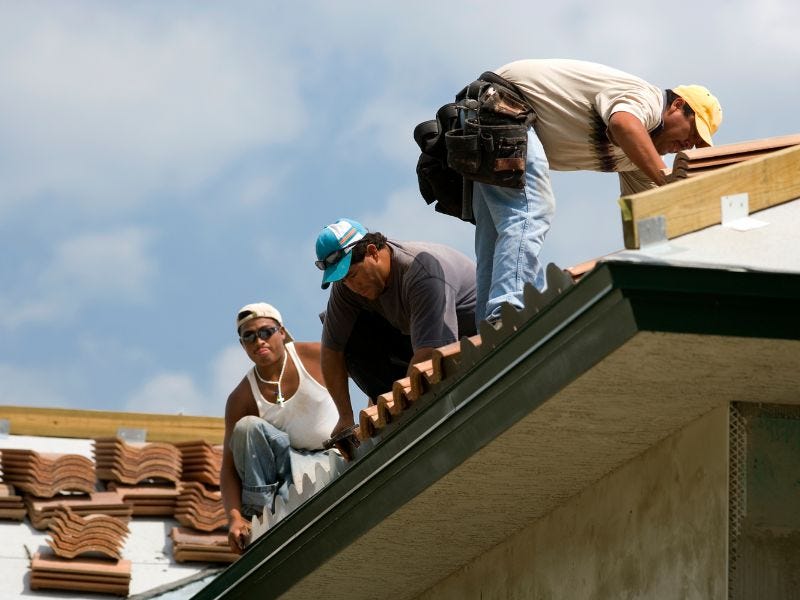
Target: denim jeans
(261,455)
(510,227)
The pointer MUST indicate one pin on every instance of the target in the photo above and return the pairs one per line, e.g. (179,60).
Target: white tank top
(308,417)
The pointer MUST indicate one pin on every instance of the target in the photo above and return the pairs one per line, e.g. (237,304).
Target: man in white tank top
(276,419)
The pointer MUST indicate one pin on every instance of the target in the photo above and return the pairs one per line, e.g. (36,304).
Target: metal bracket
(652,231)
(735,211)
(734,207)
(131,434)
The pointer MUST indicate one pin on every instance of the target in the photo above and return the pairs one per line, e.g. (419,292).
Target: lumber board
(692,204)
(72,423)
(765,144)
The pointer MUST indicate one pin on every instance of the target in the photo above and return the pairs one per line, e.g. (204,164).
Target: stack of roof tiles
(405,392)
(42,511)
(188,545)
(201,461)
(451,360)
(148,500)
(45,475)
(11,505)
(132,463)
(73,535)
(85,575)
(200,508)
(690,163)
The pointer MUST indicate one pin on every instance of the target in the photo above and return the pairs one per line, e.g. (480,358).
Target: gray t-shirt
(430,296)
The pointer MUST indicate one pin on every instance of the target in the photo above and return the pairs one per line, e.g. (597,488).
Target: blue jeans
(261,455)
(510,227)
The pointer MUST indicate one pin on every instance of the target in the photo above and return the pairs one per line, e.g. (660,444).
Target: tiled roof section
(132,463)
(200,508)
(691,163)
(450,361)
(72,535)
(82,575)
(11,505)
(46,475)
(189,545)
(148,500)
(201,461)
(41,512)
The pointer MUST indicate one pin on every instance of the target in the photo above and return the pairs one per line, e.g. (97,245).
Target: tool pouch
(490,153)
(438,183)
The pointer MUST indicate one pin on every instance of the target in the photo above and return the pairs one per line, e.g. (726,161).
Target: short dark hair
(687,110)
(359,251)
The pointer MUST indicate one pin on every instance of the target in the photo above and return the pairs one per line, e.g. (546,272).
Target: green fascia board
(576,331)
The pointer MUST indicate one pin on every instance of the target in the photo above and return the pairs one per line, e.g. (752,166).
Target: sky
(164,163)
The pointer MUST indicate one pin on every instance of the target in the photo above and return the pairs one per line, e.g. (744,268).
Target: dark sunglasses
(248,337)
(334,257)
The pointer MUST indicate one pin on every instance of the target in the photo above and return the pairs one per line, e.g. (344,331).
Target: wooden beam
(69,423)
(692,204)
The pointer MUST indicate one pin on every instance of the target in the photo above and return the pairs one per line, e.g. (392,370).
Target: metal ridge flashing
(566,338)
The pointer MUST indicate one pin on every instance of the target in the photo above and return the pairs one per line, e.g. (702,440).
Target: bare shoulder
(240,403)
(309,353)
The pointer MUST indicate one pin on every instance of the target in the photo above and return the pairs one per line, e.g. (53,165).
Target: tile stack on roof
(83,575)
(73,535)
(201,461)
(188,545)
(148,500)
(45,475)
(11,505)
(697,161)
(200,508)
(132,463)
(107,503)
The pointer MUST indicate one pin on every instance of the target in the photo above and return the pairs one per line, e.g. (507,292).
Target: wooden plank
(765,144)
(693,204)
(70,423)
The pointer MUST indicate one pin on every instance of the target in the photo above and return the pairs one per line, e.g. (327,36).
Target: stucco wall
(655,528)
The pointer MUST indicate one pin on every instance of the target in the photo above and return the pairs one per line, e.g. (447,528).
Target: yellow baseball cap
(706,107)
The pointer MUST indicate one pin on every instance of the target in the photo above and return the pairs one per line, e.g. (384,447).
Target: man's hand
(344,422)
(347,445)
(238,533)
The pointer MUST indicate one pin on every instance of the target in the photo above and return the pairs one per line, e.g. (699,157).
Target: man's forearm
(334,372)
(630,135)
(231,490)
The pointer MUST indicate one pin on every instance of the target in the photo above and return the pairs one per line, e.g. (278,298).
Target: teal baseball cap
(334,244)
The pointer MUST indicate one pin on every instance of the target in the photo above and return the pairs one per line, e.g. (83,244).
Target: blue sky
(164,163)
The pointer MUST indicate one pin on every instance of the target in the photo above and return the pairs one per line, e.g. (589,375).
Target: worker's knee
(247,425)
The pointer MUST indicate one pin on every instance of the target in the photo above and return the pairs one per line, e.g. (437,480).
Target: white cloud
(126,104)
(82,270)
(227,370)
(167,393)
(405,216)
(182,393)
(103,265)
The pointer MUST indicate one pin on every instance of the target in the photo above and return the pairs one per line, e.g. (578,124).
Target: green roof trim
(508,381)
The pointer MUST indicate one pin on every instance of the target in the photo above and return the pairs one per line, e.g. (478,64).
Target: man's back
(573,101)
(429,295)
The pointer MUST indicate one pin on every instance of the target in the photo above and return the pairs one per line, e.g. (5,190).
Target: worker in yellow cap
(530,116)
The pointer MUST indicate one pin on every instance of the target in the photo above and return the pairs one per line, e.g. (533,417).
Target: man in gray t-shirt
(391,304)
